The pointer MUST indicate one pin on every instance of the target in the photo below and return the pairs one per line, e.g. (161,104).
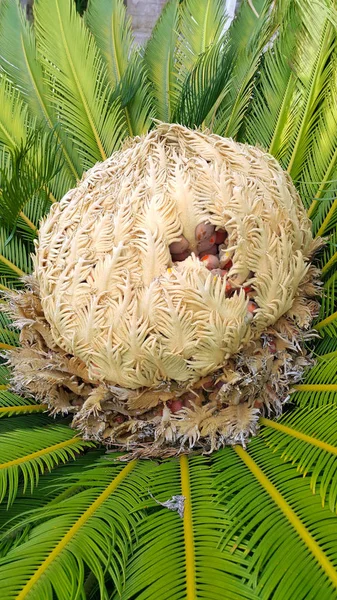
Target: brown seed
(217,272)
(203,231)
(206,244)
(229,288)
(251,307)
(272,346)
(210,261)
(220,236)
(226,262)
(180,246)
(212,250)
(119,419)
(175,405)
(181,256)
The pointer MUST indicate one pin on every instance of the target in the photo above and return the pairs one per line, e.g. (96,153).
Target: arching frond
(249,32)
(293,110)
(201,24)
(34,165)
(77,81)
(13,115)
(159,59)
(15,260)
(309,440)
(8,335)
(45,446)
(320,385)
(53,488)
(177,553)
(290,539)
(209,79)
(12,405)
(18,58)
(111,27)
(89,530)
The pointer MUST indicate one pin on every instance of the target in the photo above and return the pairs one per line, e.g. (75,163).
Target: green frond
(77,81)
(4,377)
(274,88)
(160,61)
(18,58)
(201,24)
(178,556)
(329,255)
(111,27)
(246,45)
(209,79)
(313,71)
(15,260)
(135,92)
(87,532)
(34,165)
(292,114)
(13,115)
(327,346)
(326,323)
(203,62)
(309,440)
(12,405)
(288,533)
(8,335)
(50,491)
(320,385)
(27,456)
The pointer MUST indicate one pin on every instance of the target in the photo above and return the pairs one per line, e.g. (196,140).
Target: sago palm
(255,520)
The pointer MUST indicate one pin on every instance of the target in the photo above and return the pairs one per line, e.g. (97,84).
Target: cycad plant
(251,523)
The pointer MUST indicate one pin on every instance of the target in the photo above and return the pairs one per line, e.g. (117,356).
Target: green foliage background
(75,522)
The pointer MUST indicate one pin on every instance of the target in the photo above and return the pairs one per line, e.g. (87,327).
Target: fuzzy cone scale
(158,353)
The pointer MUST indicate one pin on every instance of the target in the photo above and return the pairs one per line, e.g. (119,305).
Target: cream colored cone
(114,332)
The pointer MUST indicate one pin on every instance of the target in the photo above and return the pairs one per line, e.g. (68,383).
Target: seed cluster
(212,250)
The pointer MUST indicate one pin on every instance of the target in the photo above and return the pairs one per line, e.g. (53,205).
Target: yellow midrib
(12,266)
(86,107)
(38,453)
(299,435)
(118,69)
(188,529)
(24,407)
(303,123)
(290,515)
(327,219)
(6,132)
(28,221)
(330,263)
(74,529)
(45,111)
(4,346)
(326,321)
(4,288)
(316,387)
